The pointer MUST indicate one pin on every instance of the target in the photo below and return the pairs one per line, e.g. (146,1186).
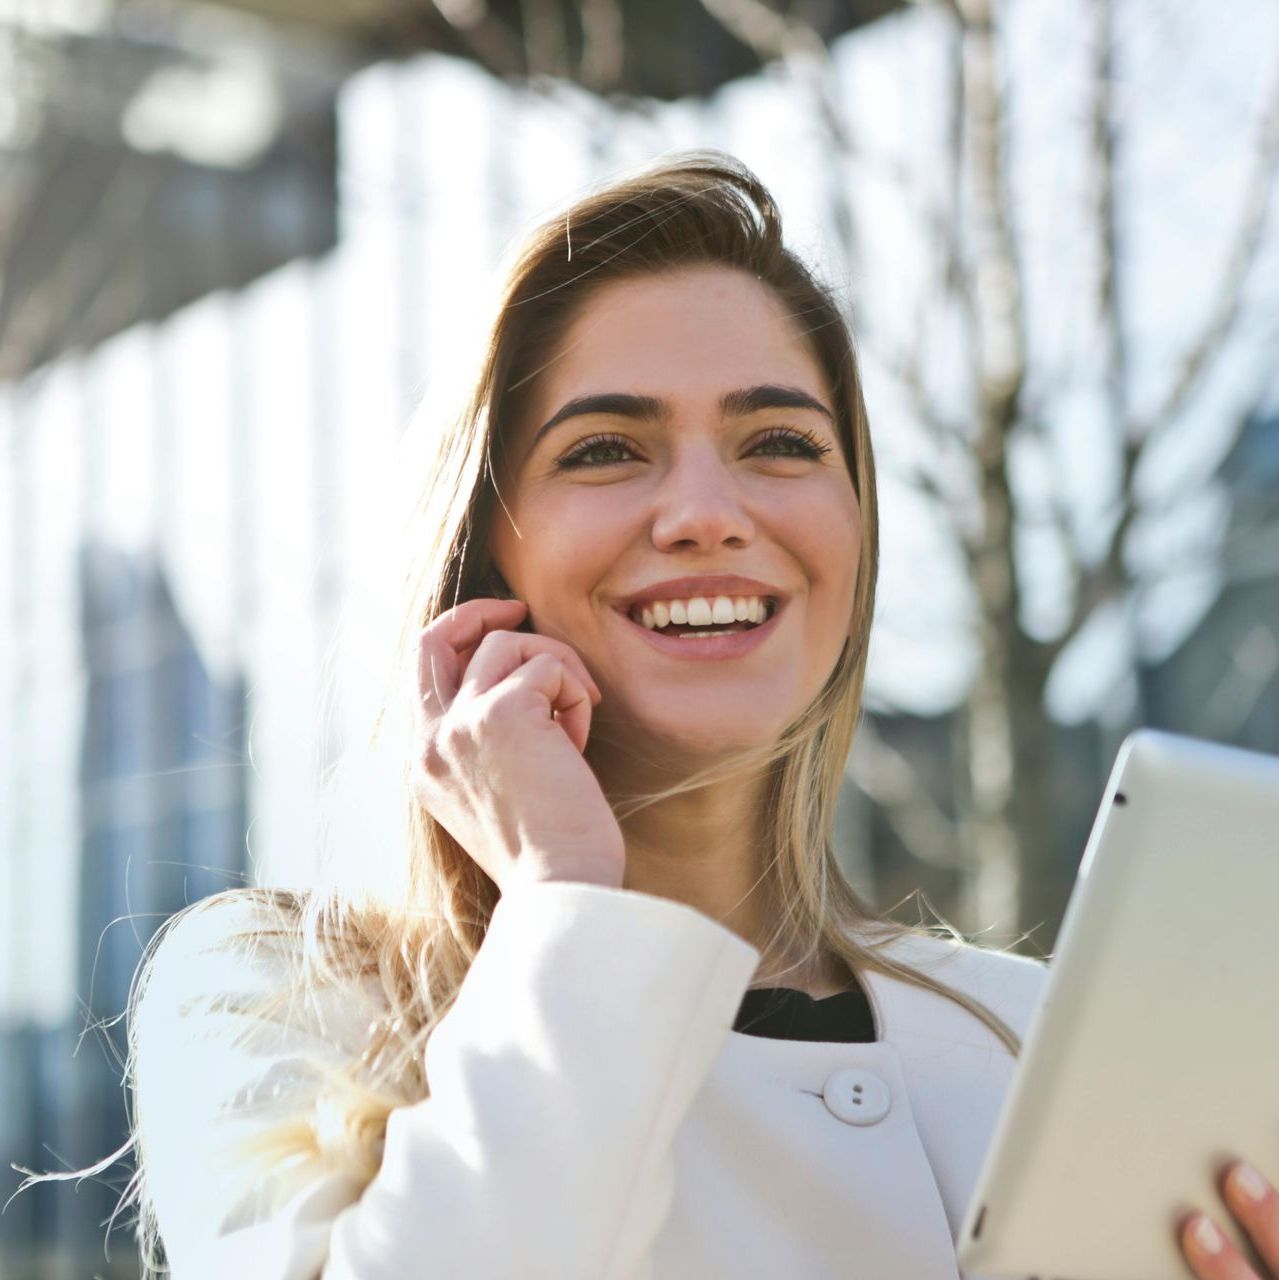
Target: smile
(714,645)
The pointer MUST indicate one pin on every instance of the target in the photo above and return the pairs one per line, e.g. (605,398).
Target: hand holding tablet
(1255,1205)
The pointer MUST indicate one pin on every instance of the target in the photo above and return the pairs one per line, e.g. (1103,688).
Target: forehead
(693,333)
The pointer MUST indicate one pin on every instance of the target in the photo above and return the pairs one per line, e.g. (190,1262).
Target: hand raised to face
(502,720)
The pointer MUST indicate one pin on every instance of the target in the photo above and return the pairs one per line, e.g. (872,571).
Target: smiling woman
(637,616)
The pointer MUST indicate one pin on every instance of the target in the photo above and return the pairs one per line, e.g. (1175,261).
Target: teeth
(699,612)
(702,611)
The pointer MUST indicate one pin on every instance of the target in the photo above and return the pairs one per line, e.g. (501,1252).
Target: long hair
(413,938)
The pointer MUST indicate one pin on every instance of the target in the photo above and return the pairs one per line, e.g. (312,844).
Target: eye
(594,451)
(593,446)
(809,446)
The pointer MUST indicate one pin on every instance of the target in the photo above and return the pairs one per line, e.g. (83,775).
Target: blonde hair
(416,944)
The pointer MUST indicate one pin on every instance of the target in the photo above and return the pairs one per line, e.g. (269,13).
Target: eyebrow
(735,404)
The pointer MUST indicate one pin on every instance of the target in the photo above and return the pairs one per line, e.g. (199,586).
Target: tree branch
(1001,315)
(1105,580)
(489,41)
(545,40)
(603,44)
(1254,214)
(941,434)
(771,36)
(1093,586)
(885,775)
(1110,309)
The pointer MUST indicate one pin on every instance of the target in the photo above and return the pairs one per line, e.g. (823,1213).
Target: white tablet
(1153,1059)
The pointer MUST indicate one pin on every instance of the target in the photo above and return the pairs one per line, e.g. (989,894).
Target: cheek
(566,545)
(824,534)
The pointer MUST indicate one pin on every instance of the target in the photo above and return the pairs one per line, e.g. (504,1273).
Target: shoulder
(217,923)
(225,988)
(1009,984)
(235,943)
(234,1043)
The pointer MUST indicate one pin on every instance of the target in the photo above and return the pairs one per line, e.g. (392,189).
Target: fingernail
(1250,1182)
(1207,1237)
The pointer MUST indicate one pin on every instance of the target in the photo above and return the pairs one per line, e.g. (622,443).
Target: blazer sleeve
(580,1036)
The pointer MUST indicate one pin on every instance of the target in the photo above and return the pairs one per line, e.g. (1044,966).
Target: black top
(782,1013)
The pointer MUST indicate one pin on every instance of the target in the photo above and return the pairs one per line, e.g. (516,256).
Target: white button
(857,1096)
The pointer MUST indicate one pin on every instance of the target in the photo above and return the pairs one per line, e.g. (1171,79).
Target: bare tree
(1003,733)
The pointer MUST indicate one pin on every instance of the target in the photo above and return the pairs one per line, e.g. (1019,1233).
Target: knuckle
(507,703)
(545,667)
(489,711)
(558,649)
(432,761)
(440,752)
(457,732)
(572,660)
(494,641)
(499,703)
(486,713)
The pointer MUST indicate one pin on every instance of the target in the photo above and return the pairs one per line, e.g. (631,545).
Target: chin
(710,737)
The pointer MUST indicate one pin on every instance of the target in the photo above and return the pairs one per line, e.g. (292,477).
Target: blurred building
(156,163)
(163,814)
(156,153)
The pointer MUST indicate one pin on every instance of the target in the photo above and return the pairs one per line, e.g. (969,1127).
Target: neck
(708,848)
(703,849)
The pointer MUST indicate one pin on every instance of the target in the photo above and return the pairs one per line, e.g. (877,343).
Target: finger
(441,642)
(500,654)
(547,676)
(1210,1253)
(1255,1204)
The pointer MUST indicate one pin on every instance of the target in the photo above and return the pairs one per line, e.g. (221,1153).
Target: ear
(495,585)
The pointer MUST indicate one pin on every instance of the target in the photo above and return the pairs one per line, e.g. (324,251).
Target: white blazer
(592,1115)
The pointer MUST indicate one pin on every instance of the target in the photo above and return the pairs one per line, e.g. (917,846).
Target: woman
(623,1017)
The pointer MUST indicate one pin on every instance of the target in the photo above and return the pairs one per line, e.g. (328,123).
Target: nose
(699,505)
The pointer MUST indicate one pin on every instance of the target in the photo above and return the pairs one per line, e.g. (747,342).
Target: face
(703,446)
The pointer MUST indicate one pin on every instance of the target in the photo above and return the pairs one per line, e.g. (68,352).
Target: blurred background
(245,250)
